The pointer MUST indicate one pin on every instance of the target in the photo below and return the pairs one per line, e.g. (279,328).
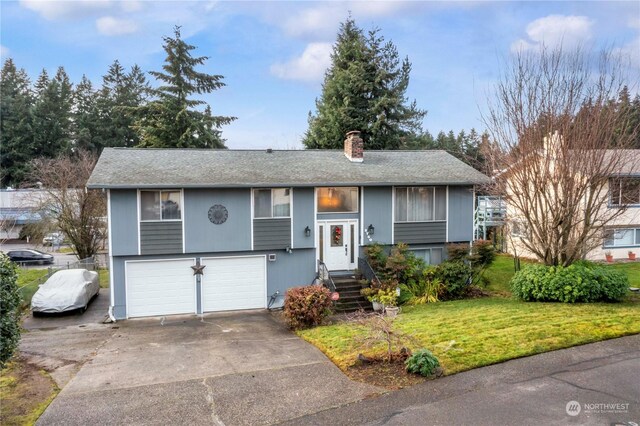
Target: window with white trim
(272,203)
(338,199)
(160,205)
(622,237)
(625,191)
(431,256)
(519,229)
(421,204)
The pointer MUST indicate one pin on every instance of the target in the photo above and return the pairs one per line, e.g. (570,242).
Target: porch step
(350,298)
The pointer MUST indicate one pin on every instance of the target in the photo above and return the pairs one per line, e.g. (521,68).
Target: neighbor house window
(421,204)
(625,191)
(160,205)
(622,237)
(431,256)
(338,200)
(519,229)
(271,203)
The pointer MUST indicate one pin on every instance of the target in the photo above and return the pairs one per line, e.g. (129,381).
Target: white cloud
(310,66)
(53,10)
(110,26)
(630,53)
(4,51)
(556,30)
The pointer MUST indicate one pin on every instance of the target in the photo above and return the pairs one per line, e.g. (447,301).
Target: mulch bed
(378,371)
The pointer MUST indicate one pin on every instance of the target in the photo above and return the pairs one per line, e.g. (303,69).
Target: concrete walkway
(234,369)
(537,390)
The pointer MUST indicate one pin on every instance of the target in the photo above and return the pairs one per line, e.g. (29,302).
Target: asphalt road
(595,384)
(59,259)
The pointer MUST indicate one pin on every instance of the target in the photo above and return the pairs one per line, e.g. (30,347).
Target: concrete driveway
(233,368)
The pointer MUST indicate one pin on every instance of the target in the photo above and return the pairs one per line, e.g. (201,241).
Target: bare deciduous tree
(78,212)
(556,148)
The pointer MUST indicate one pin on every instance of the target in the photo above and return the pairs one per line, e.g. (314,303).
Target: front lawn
(466,334)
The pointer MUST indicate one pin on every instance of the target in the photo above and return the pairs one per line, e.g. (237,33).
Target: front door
(337,244)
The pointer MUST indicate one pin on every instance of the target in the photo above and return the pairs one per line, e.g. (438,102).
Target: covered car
(65,291)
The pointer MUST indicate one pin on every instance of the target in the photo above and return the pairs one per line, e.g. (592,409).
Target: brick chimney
(354,147)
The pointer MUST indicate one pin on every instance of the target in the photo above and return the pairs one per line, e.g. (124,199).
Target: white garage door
(234,283)
(163,287)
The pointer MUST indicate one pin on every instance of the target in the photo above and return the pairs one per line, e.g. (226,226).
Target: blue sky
(273,54)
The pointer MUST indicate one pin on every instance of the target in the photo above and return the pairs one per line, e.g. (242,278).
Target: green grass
(466,334)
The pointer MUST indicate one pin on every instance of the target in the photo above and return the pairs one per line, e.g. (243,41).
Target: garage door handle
(346,250)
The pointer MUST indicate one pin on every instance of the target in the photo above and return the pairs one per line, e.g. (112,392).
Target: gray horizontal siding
(420,232)
(160,237)
(271,234)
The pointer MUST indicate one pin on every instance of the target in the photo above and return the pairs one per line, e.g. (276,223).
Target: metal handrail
(367,271)
(325,276)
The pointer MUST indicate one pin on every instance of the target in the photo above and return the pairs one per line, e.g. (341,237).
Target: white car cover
(66,290)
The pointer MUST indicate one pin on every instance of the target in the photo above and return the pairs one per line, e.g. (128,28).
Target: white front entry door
(338,244)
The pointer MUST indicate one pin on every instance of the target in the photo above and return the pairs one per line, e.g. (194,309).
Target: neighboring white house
(621,234)
(18,208)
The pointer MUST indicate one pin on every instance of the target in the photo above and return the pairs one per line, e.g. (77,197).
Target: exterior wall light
(371,229)
(307,232)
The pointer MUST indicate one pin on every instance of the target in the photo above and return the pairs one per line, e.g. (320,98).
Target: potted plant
(632,255)
(389,299)
(373,295)
(608,256)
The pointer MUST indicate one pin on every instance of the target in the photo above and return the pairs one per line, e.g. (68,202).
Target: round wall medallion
(218,214)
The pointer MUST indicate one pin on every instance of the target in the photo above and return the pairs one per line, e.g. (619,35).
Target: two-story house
(194,231)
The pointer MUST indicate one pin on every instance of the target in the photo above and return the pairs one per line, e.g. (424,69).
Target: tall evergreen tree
(172,120)
(16,137)
(120,93)
(365,89)
(52,115)
(85,116)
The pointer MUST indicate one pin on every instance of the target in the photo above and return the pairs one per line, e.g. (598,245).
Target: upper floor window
(160,205)
(625,191)
(622,237)
(338,200)
(421,204)
(270,203)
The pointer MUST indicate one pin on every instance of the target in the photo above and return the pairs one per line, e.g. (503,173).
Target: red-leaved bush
(306,306)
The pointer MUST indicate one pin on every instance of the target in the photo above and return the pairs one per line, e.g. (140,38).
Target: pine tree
(16,137)
(172,120)
(52,115)
(365,89)
(85,116)
(120,93)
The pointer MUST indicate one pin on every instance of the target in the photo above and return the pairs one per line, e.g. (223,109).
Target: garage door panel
(160,288)
(234,283)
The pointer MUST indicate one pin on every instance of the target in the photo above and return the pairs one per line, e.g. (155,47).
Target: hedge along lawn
(466,334)
(500,272)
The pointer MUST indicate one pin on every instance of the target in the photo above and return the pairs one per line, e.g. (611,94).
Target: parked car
(30,257)
(66,290)
(53,238)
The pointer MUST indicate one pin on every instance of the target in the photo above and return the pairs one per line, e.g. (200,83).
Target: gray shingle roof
(178,168)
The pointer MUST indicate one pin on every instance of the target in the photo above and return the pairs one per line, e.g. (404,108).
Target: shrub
(579,282)
(307,306)
(455,277)
(9,309)
(458,251)
(424,290)
(482,253)
(422,362)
